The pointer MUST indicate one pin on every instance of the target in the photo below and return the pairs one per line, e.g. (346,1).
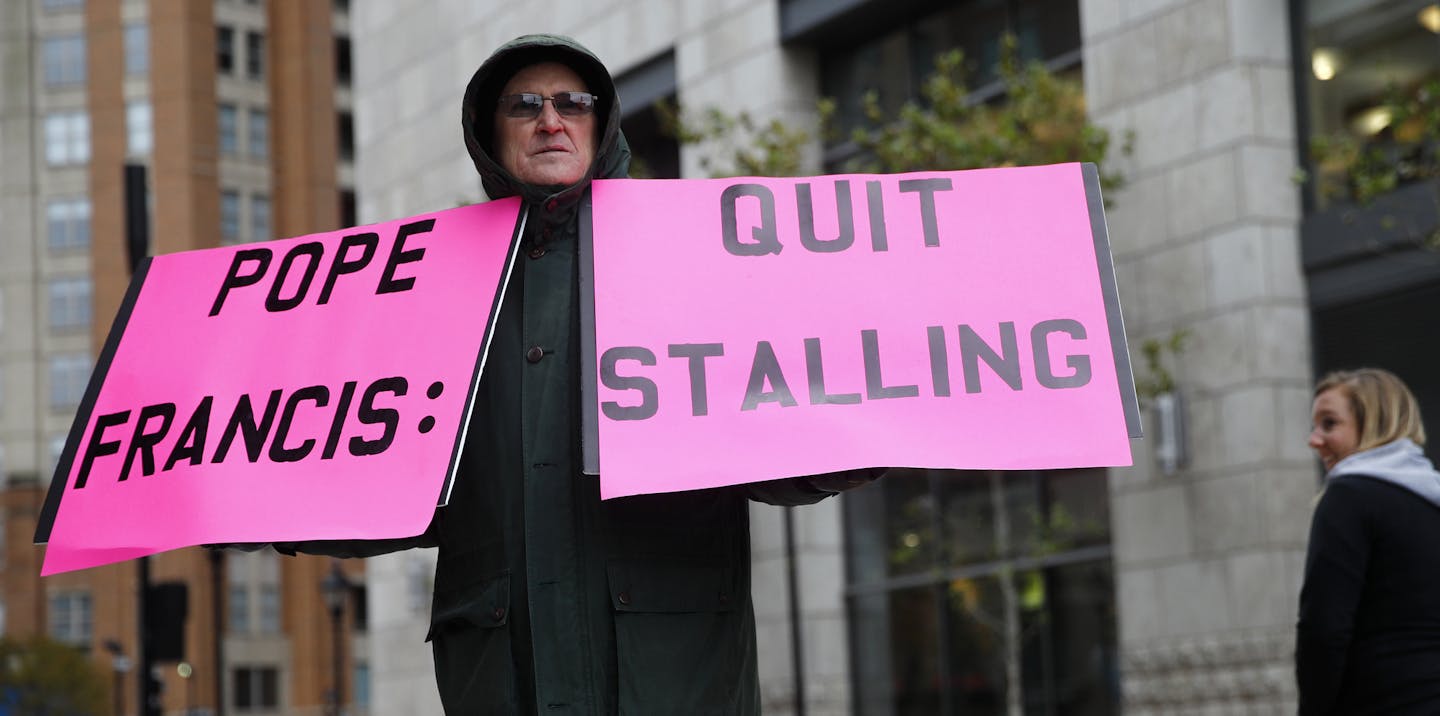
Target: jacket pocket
(470,636)
(684,639)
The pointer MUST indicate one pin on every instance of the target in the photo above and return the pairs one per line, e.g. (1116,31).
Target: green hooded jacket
(548,600)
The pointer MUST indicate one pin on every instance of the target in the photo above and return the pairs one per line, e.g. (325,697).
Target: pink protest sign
(748,329)
(309,388)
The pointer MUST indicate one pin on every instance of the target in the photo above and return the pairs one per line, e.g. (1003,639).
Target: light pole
(336,589)
(120,665)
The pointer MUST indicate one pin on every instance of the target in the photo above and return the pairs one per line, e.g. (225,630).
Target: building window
(229,216)
(229,129)
(63,4)
(894,65)
(260,228)
(64,60)
(342,61)
(362,687)
(962,583)
(345,135)
(254,55)
(239,609)
(1362,55)
(257,688)
(67,223)
(69,303)
(67,138)
(139,128)
(70,618)
(69,373)
(254,606)
(259,145)
(348,213)
(225,50)
(269,608)
(137,49)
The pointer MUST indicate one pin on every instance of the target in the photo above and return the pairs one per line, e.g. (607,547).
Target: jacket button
(537,252)
(724,599)
(499,613)
(624,597)
(534,354)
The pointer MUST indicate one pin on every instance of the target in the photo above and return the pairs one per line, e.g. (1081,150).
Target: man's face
(550,149)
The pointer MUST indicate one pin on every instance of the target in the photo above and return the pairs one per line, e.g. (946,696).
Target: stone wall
(1206,241)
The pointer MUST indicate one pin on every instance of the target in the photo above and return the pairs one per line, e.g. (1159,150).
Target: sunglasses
(528,105)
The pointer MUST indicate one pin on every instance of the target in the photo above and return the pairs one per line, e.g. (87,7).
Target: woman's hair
(1385,410)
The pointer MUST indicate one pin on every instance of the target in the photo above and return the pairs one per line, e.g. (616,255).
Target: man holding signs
(545,597)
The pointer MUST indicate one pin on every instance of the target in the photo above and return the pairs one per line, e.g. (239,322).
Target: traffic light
(166,607)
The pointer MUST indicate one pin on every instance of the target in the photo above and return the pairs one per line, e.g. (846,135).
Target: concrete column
(1206,241)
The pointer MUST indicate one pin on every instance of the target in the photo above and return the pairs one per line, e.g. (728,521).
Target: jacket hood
(1401,462)
(477,116)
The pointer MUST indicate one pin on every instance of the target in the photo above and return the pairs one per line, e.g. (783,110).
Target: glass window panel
(244,690)
(229,216)
(239,609)
(229,128)
(254,55)
(968,502)
(69,373)
(69,618)
(1077,509)
(260,229)
(911,542)
(137,48)
(1070,641)
(67,224)
(225,49)
(342,61)
(70,303)
(345,135)
(975,645)
(59,617)
(269,688)
(67,138)
(63,4)
(362,686)
(140,135)
(259,133)
(269,609)
(64,60)
(898,670)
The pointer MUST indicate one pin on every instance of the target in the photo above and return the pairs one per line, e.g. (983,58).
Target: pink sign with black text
(748,329)
(309,388)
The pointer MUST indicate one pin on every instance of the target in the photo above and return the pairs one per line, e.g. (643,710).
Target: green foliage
(42,676)
(1157,379)
(1360,171)
(738,145)
(1040,120)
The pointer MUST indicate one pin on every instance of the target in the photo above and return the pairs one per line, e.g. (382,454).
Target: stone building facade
(1213,236)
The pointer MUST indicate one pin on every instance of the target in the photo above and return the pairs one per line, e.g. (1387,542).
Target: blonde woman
(1368,639)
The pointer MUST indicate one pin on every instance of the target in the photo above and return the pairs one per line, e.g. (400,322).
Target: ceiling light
(1372,121)
(1430,18)
(1325,63)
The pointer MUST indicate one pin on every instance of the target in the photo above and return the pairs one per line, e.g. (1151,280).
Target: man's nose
(549,119)
(1315,441)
